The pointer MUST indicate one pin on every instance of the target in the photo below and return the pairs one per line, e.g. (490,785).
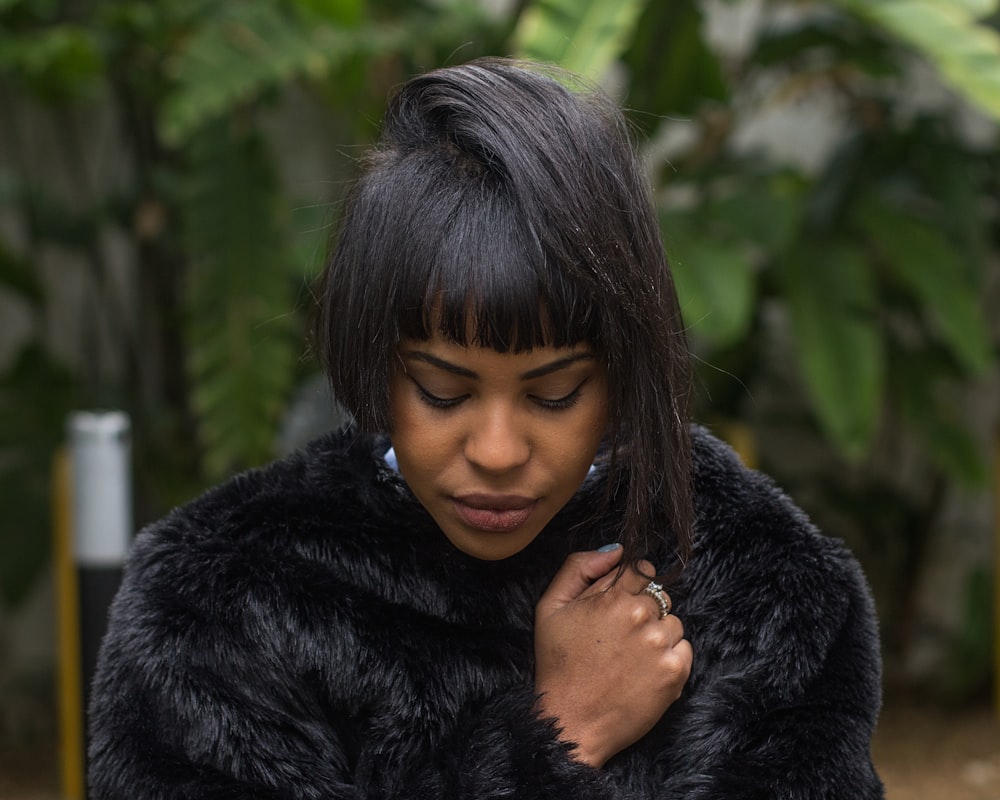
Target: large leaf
(966,52)
(931,404)
(922,259)
(340,12)
(59,62)
(820,39)
(831,298)
(977,8)
(764,211)
(251,46)
(675,72)
(242,356)
(714,279)
(584,36)
(246,47)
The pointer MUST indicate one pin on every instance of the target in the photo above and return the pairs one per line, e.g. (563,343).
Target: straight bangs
(483,278)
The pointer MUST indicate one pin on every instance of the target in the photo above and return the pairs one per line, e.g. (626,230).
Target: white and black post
(100,450)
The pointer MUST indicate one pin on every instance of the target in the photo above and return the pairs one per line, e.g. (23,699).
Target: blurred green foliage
(876,259)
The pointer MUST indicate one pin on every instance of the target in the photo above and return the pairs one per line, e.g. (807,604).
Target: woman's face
(493,444)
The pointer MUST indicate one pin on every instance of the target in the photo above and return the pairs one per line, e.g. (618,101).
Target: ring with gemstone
(655,591)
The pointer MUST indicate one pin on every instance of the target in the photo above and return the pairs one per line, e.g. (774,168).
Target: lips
(494,513)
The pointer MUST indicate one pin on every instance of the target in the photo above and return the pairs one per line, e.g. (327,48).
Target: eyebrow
(464,372)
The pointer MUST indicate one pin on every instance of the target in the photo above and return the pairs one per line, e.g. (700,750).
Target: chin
(492,551)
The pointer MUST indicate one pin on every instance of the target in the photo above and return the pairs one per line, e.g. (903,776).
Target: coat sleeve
(786,686)
(189,699)
(793,722)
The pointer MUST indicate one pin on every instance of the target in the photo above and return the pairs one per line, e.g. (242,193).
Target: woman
(455,597)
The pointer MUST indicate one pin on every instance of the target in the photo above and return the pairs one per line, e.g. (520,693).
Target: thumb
(578,573)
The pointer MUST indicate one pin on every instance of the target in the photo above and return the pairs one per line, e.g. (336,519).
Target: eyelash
(434,401)
(561,403)
(445,403)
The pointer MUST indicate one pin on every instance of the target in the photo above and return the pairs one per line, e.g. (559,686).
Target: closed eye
(551,404)
(438,402)
(560,403)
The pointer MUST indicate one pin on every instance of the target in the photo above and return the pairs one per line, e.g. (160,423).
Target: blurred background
(827,176)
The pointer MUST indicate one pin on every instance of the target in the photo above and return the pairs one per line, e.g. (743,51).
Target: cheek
(419,441)
(575,449)
(594,427)
(406,413)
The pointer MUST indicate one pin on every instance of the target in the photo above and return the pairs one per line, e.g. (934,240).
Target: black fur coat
(305,631)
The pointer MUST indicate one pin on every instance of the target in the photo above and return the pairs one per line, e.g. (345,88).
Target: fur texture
(305,631)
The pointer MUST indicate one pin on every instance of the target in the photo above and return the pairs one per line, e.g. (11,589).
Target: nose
(497,442)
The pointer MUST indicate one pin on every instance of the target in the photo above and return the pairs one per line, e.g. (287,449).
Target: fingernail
(607,548)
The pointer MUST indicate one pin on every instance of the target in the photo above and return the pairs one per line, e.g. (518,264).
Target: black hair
(508,210)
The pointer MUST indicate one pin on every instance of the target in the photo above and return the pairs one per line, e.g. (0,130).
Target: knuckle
(675,666)
(657,638)
(681,659)
(639,613)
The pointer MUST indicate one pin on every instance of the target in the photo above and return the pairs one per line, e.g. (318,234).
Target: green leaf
(341,12)
(311,229)
(831,298)
(966,53)
(978,9)
(841,40)
(251,46)
(929,266)
(765,212)
(714,280)
(955,177)
(583,36)
(920,385)
(57,63)
(674,71)
(232,56)
(242,353)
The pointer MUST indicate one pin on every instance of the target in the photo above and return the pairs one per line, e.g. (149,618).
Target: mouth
(494,513)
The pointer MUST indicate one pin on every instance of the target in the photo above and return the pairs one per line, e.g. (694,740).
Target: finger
(578,573)
(651,599)
(682,659)
(631,580)
(651,592)
(673,629)
(637,578)
(645,568)
(636,584)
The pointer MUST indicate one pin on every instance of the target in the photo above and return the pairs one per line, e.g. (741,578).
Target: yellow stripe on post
(70,690)
(996,573)
(99,497)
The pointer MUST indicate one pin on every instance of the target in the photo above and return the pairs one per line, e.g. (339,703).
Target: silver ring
(655,591)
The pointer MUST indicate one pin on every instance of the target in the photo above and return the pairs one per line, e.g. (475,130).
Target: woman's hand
(606,665)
